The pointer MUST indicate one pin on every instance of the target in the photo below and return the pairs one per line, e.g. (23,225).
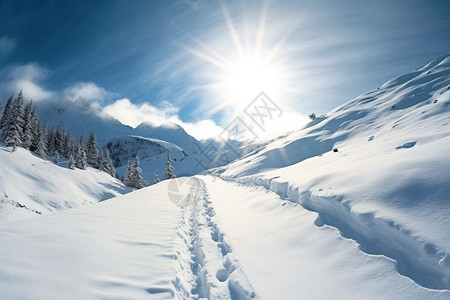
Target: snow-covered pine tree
(50,141)
(35,128)
(27,133)
(82,142)
(42,142)
(60,140)
(68,145)
(136,179)
(127,175)
(56,158)
(92,151)
(105,163)
(156,177)
(5,117)
(14,124)
(133,175)
(169,168)
(71,163)
(80,159)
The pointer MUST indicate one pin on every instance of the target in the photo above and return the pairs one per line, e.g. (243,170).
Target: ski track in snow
(207,268)
(419,261)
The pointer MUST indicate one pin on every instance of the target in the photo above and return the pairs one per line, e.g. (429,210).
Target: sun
(243,68)
(247,77)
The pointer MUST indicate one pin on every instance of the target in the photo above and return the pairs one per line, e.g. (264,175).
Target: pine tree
(126,177)
(80,159)
(169,168)
(60,140)
(133,175)
(42,142)
(27,134)
(137,180)
(156,180)
(71,163)
(14,124)
(105,163)
(35,130)
(68,145)
(56,158)
(50,146)
(5,117)
(82,143)
(92,151)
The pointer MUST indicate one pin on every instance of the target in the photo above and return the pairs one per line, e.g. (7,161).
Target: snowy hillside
(31,186)
(388,186)
(226,242)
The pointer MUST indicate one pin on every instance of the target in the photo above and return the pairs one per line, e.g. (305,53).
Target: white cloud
(7,45)
(202,129)
(27,78)
(87,91)
(134,114)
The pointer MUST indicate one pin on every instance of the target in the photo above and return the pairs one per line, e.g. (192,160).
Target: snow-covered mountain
(354,205)
(126,147)
(82,117)
(172,133)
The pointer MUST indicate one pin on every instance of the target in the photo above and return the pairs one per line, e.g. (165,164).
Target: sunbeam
(243,72)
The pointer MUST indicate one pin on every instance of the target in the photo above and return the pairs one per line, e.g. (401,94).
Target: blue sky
(158,60)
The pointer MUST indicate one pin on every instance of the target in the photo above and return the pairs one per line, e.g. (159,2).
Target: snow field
(122,248)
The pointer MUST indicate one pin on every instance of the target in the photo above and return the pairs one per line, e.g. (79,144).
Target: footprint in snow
(407,145)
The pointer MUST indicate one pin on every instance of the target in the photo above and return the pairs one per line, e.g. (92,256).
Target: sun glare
(247,77)
(243,67)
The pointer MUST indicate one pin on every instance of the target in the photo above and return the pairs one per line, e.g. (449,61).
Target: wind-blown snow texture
(292,219)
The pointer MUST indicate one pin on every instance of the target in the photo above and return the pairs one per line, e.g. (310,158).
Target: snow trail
(207,267)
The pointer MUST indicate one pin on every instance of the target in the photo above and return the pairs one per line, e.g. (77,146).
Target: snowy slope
(117,249)
(225,241)
(31,186)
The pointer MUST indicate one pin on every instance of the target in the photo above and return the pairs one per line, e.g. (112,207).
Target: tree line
(20,127)
(133,175)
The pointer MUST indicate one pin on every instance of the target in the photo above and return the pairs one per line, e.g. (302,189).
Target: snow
(248,244)
(122,248)
(287,255)
(31,186)
(289,219)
